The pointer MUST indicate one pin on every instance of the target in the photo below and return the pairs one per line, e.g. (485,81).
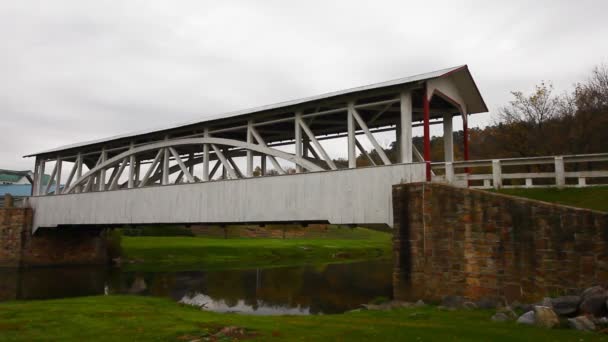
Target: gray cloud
(79,70)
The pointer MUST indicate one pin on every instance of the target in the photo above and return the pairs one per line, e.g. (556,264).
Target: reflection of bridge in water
(213,171)
(285,290)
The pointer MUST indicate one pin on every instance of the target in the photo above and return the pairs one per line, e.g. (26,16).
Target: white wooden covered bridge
(217,170)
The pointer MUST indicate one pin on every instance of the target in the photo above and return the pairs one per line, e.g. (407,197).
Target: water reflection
(259,308)
(287,290)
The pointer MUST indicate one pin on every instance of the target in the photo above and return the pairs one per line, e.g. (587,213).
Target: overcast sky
(78,70)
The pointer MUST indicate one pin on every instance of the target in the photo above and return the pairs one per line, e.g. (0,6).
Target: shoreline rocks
(585,312)
(545,317)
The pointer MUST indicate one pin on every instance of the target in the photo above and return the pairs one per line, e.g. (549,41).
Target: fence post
(582,181)
(496,174)
(560,174)
(449,172)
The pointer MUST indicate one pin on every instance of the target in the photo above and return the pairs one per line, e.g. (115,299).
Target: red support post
(426,107)
(465,130)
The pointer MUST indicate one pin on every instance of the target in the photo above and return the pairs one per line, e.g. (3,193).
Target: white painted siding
(351,196)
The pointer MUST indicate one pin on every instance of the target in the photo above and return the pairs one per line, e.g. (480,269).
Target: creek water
(300,290)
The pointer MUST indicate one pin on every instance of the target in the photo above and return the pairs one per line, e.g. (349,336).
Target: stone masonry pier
(19,247)
(479,244)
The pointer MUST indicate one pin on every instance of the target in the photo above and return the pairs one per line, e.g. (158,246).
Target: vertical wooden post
(58,176)
(465,133)
(41,177)
(582,181)
(560,173)
(448,138)
(249,172)
(350,120)
(298,138)
(496,174)
(165,168)
(426,107)
(131,180)
(449,172)
(79,163)
(206,156)
(405,127)
(36,180)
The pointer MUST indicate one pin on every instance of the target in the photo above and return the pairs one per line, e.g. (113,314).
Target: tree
(536,108)
(592,96)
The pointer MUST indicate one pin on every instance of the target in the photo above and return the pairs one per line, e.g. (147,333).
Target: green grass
(128,318)
(595,198)
(191,253)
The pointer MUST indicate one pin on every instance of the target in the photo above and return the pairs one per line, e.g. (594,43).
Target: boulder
(566,305)
(419,303)
(593,292)
(545,302)
(545,317)
(594,305)
(500,317)
(581,323)
(527,318)
(508,311)
(452,301)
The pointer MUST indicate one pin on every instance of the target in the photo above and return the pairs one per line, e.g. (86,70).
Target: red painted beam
(426,108)
(465,129)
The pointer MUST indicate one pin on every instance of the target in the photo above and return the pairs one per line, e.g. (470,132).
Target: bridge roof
(475,104)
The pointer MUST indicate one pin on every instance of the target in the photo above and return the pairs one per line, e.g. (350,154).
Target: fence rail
(560,171)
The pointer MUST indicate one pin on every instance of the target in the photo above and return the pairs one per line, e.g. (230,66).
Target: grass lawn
(595,198)
(191,253)
(128,318)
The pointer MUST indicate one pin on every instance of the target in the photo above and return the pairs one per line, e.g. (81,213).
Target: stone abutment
(479,244)
(20,248)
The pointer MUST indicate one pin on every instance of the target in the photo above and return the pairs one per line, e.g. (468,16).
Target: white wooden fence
(557,171)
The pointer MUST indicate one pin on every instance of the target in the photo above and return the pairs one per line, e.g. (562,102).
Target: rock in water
(566,305)
(595,305)
(527,318)
(581,323)
(545,317)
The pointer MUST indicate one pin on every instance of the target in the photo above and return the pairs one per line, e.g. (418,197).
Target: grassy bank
(127,318)
(595,198)
(190,253)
